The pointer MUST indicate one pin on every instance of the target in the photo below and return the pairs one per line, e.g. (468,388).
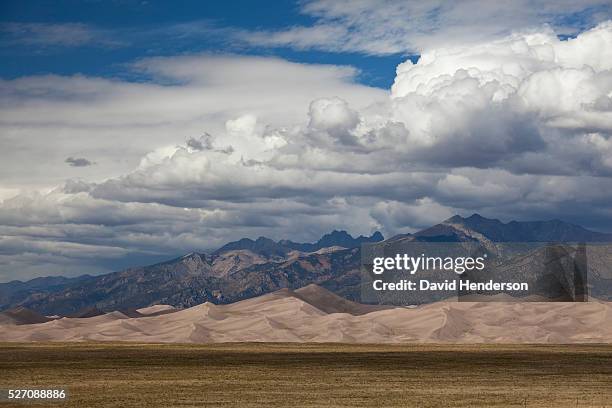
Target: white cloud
(45,119)
(54,35)
(499,102)
(401,217)
(389,27)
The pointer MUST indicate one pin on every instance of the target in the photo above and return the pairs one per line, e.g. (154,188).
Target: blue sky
(130,30)
(99,37)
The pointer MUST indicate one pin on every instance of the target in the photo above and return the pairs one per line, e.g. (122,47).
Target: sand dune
(89,312)
(329,302)
(313,314)
(22,315)
(156,310)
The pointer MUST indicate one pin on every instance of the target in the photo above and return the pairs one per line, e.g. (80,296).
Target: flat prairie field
(310,375)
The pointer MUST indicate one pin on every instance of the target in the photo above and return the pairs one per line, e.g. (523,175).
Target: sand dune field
(313,314)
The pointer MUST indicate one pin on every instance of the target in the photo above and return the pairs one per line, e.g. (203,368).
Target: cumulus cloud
(333,117)
(517,127)
(501,103)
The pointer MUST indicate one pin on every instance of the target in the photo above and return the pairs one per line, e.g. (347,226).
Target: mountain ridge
(248,268)
(528,231)
(267,246)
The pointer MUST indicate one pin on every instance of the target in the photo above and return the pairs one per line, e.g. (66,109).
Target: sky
(134,131)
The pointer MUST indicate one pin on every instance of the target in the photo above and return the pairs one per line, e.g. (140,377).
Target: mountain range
(248,268)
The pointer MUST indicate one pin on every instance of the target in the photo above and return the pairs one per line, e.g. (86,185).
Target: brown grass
(329,375)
